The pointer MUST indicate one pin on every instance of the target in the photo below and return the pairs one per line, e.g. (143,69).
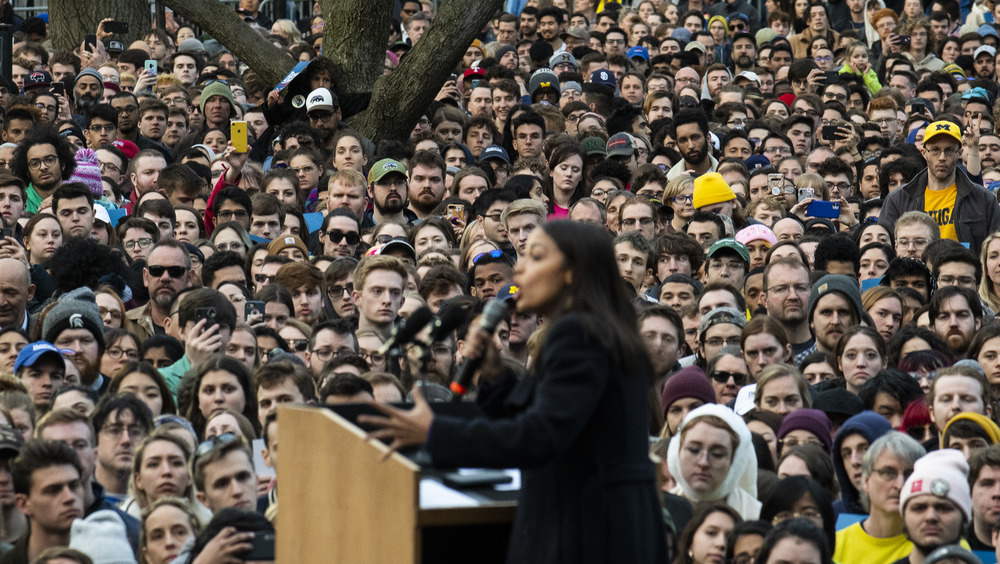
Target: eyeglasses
(49,162)
(135,432)
(320,115)
(492,254)
(936,152)
(110,166)
(689,199)
(143,243)
(784,288)
(212,443)
(97,127)
(722,377)
(117,352)
(905,243)
(127,109)
(372,357)
(719,341)
(615,41)
(227,215)
(336,236)
(115,314)
(823,59)
(811,514)
(173,271)
(339,290)
(892,474)
(778,150)
(884,121)
(842,186)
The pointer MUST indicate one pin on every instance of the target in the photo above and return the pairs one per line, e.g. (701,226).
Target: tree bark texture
(354,39)
(221,22)
(72,20)
(399,98)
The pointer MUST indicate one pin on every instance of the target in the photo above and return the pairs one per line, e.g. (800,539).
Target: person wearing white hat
(935,503)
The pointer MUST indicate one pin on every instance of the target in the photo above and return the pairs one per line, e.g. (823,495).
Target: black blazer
(578,430)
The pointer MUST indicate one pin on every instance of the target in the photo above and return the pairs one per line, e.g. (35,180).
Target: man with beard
(529,23)
(45,160)
(984,477)
(691,134)
(989,150)
(662,331)
(121,422)
(217,106)
(426,185)
(744,52)
(834,305)
(87,90)
(984,63)
(956,314)
(935,503)
(167,272)
(963,211)
(786,289)
(75,323)
(323,110)
(387,189)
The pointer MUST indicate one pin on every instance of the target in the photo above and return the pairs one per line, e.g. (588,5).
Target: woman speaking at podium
(577,427)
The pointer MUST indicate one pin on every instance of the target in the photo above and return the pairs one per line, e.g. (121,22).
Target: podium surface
(340,502)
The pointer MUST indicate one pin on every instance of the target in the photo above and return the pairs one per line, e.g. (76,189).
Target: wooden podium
(340,503)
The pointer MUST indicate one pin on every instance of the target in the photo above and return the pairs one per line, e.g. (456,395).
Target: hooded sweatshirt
(871,426)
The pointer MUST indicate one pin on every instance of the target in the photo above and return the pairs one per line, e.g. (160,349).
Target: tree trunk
(222,23)
(399,98)
(354,39)
(72,20)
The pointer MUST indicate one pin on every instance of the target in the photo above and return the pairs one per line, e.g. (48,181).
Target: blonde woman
(679,195)
(989,258)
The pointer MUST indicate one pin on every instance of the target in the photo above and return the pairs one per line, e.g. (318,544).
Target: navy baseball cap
(603,76)
(494,152)
(33,352)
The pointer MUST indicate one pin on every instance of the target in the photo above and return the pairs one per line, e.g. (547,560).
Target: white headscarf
(743,471)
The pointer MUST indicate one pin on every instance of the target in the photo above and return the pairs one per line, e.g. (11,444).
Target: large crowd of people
(785,213)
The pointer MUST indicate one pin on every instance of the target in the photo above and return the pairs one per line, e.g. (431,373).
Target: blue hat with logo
(33,352)
(494,152)
(603,76)
(757,161)
(638,52)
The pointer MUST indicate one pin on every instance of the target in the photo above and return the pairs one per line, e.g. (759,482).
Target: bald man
(16,290)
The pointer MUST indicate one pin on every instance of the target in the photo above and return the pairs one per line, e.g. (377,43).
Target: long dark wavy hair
(598,295)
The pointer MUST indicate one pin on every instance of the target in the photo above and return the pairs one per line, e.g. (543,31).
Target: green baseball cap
(593,146)
(384,167)
(731,244)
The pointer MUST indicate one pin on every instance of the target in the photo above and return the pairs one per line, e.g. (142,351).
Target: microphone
(407,330)
(448,319)
(493,314)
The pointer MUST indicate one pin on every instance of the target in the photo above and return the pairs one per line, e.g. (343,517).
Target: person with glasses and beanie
(964,211)
(166,259)
(579,429)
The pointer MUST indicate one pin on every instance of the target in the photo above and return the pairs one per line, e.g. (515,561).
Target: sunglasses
(383,239)
(173,271)
(211,443)
(337,236)
(299,345)
(723,377)
(737,27)
(260,278)
(492,254)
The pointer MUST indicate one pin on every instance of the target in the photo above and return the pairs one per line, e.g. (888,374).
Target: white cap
(101,214)
(319,99)
(749,75)
(985,49)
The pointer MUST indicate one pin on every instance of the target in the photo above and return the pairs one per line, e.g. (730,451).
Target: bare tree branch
(222,23)
(399,98)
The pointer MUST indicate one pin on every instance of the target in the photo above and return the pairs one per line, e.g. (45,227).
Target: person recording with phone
(577,428)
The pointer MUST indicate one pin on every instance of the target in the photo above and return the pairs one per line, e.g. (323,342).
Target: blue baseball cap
(757,161)
(494,152)
(638,51)
(507,292)
(33,352)
(603,76)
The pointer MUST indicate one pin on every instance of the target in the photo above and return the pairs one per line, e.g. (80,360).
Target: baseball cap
(494,152)
(749,75)
(730,244)
(474,72)
(603,76)
(320,99)
(988,49)
(33,352)
(384,167)
(101,214)
(638,52)
(577,32)
(37,80)
(10,440)
(594,146)
(696,46)
(399,244)
(942,128)
(620,145)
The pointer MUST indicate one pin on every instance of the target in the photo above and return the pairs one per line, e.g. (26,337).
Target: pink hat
(756,232)
(942,473)
(88,172)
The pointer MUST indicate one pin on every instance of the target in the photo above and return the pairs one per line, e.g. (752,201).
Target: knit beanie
(710,188)
(88,172)
(76,309)
(991,429)
(690,382)
(218,89)
(91,72)
(843,285)
(942,473)
(812,420)
(102,537)
(503,50)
